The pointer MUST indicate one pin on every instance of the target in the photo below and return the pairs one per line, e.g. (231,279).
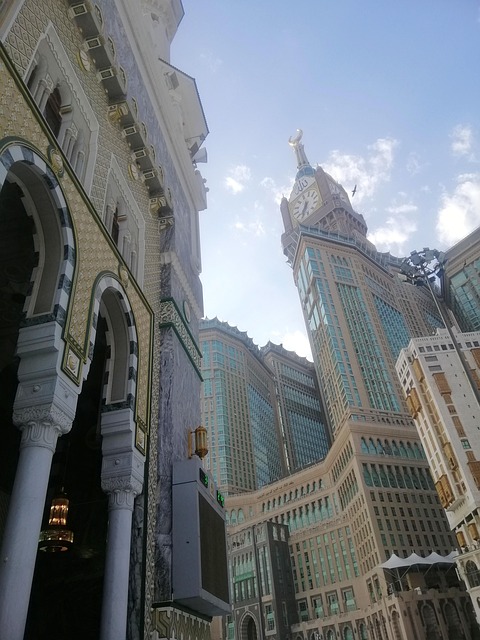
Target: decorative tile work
(160,280)
(169,623)
(93,248)
(170,316)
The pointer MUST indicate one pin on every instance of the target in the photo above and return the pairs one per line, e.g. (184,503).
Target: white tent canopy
(394,562)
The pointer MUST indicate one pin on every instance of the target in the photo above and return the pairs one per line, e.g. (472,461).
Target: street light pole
(420,263)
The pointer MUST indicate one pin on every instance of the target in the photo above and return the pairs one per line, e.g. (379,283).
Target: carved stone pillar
(122,479)
(121,496)
(40,431)
(44,409)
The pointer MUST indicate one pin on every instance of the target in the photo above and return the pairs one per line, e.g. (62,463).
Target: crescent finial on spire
(294,141)
(297,146)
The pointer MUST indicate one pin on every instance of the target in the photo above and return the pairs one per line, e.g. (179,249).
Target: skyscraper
(239,410)
(461,281)
(302,422)
(359,312)
(446,413)
(261,407)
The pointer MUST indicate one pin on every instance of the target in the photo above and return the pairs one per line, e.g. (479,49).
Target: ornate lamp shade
(201,442)
(57,537)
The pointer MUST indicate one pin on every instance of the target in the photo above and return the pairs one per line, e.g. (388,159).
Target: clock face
(305,204)
(302,185)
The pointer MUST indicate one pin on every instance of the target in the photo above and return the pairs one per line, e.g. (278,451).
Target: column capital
(122,491)
(41,426)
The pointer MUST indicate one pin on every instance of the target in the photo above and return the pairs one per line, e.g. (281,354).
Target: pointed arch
(54,237)
(249,627)
(112,302)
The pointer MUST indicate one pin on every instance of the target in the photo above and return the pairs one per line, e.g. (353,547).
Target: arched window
(347,633)
(391,478)
(472,573)
(407,478)
(423,480)
(383,476)
(367,477)
(400,480)
(375,476)
(115,226)
(416,481)
(52,111)
(418,451)
(363,445)
(55,87)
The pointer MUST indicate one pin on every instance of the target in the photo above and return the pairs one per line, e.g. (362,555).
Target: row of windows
(397,477)
(390,448)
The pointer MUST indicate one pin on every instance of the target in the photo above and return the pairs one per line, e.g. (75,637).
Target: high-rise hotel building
(261,409)
(461,281)
(447,414)
(302,422)
(238,410)
(364,521)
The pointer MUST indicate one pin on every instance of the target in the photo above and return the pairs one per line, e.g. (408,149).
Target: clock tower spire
(303,165)
(317,200)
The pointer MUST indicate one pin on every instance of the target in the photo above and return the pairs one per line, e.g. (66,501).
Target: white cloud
(403,208)
(365,172)
(298,342)
(277,191)
(414,166)
(393,235)
(255,227)
(460,211)
(237,178)
(462,141)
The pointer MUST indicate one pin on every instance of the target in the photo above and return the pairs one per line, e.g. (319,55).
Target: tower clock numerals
(305,204)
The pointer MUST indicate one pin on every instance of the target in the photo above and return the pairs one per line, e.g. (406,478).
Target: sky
(387,95)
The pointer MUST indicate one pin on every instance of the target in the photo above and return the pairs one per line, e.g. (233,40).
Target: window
(55,87)
(52,112)
(303,610)
(269,618)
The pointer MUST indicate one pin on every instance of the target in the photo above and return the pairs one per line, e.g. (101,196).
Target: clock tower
(317,200)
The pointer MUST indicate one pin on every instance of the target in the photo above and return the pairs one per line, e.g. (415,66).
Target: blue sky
(388,97)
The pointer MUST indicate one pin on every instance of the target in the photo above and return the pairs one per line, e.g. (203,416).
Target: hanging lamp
(56,536)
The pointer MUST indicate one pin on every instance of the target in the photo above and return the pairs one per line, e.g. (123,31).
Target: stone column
(40,432)
(121,497)
(122,479)
(44,409)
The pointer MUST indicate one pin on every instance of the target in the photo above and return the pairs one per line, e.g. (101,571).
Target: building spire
(294,142)
(303,165)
